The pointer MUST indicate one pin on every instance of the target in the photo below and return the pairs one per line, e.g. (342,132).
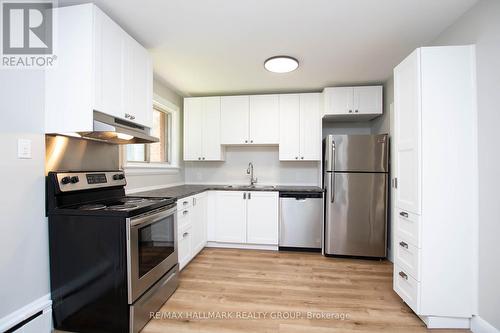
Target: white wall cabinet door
(310,127)
(234,120)
(211,145)
(289,145)
(108,60)
(230,217)
(138,99)
(264,119)
(368,100)
(199,223)
(262,218)
(407,109)
(338,100)
(193,128)
(202,129)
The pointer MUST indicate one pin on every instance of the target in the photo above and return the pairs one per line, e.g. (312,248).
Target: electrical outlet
(24,148)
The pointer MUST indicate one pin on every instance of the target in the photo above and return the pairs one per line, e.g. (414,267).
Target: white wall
(481,26)
(268,169)
(24,259)
(159,177)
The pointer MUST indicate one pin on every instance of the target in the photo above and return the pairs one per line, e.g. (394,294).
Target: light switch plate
(24,148)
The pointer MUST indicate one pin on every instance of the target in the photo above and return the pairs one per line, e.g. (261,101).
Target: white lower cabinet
(246,217)
(230,216)
(191,227)
(185,240)
(262,217)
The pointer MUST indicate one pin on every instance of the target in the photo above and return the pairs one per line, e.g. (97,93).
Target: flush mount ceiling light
(281,64)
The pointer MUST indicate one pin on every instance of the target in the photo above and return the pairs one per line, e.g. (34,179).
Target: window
(158,152)
(146,158)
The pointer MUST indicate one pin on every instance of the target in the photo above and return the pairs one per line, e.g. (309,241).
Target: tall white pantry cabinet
(436,184)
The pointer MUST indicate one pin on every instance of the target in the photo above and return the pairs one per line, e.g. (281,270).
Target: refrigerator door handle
(332,183)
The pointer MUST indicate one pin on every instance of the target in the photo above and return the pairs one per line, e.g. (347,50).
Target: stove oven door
(152,249)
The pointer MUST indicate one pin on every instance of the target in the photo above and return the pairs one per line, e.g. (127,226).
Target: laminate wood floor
(356,294)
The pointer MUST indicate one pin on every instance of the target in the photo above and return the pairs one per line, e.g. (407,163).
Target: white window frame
(152,168)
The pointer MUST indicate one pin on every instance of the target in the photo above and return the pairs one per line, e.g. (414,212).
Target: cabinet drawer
(408,226)
(406,287)
(183,218)
(184,245)
(184,203)
(407,257)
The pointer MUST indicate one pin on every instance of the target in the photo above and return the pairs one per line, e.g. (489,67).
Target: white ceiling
(204,47)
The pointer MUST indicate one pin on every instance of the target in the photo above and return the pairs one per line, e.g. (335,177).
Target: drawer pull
(404,214)
(185,212)
(185,203)
(184,235)
(403,244)
(403,275)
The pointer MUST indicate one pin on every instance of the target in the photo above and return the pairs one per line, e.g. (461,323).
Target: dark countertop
(183,191)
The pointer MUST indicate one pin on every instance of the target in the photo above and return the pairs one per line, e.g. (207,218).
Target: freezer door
(361,153)
(356,214)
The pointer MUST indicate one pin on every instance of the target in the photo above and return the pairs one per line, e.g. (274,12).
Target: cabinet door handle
(132,117)
(296,157)
(185,212)
(246,141)
(251,141)
(249,195)
(199,158)
(185,203)
(356,111)
(184,235)
(302,158)
(350,111)
(127,115)
(203,158)
(403,275)
(403,214)
(403,244)
(244,195)
(194,201)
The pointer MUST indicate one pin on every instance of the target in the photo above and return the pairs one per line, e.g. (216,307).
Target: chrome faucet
(253,180)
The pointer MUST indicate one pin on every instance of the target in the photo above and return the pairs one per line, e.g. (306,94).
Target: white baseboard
(242,246)
(44,304)
(446,322)
(479,325)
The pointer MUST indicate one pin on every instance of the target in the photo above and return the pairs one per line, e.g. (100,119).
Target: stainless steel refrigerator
(356,184)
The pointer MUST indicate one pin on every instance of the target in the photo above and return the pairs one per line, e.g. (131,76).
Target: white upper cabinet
(300,127)
(367,100)
(138,83)
(353,103)
(202,129)
(250,120)
(264,119)
(310,127)
(99,67)
(234,120)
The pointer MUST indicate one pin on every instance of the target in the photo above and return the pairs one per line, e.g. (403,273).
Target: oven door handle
(152,218)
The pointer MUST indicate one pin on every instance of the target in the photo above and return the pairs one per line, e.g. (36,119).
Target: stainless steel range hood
(118,131)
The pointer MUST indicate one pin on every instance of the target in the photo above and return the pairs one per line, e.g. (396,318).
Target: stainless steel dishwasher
(301,221)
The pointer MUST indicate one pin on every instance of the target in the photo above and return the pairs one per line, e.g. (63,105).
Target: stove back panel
(72,154)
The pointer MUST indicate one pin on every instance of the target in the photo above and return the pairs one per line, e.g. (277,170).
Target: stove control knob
(119,176)
(75,179)
(65,180)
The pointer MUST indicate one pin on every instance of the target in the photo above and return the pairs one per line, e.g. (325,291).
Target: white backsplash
(267,168)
